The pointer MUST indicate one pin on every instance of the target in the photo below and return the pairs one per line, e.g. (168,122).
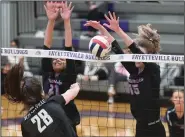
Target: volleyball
(99,46)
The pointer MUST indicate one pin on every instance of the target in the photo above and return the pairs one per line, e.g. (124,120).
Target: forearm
(106,33)
(49,33)
(127,39)
(46,63)
(68,33)
(69,95)
(116,48)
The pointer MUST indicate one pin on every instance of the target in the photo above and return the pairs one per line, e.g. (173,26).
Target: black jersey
(175,124)
(47,119)
(61,83)
(144,87)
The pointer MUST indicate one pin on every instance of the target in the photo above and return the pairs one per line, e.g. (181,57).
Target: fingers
(87,24)
(65,4)
(75,85)
(114,15)
(57,10)
(118,20)
(107,18)
(106,25)
(70,4)
(110,15)
(115,18)
(72,8)
(92,22)
(45,7)
(61,10)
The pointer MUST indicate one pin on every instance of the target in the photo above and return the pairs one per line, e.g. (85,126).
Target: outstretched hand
(113,22)
(66,10)
(98,26)
(94,24)
(52,10)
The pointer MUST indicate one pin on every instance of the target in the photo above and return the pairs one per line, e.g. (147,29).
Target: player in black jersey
(46,116)
(144,80)
(175,115)
(59,74)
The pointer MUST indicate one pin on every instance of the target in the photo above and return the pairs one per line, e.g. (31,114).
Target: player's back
(47,119)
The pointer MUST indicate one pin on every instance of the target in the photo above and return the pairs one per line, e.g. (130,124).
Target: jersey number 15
(134,89)
(44,117)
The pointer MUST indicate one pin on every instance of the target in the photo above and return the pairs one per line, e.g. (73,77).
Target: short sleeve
(24,133)
(59,99)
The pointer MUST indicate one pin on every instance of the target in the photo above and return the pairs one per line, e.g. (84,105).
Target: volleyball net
(98,117)
(156,58)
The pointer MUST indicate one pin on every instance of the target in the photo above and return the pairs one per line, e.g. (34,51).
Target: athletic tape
(38,53)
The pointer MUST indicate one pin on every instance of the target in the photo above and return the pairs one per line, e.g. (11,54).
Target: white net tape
(176,59)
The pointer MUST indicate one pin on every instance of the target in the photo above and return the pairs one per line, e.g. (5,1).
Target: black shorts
(145,130)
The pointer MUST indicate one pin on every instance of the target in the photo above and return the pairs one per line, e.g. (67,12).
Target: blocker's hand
(52,10)
(66,10)
(113,22)
(94,24)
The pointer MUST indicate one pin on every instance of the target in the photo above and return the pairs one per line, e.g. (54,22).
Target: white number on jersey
(42,116)
(54,89)
(134,89)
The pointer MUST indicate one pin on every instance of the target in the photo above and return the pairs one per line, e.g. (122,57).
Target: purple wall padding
(111,7)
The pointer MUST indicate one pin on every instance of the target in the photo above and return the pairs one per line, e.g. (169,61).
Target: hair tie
(151,39)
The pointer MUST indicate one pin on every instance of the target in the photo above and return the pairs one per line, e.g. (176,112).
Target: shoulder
(58,99)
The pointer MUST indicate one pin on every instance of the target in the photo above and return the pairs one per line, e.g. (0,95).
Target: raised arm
(65,13)
(130,66)
(101,28)
(52,12)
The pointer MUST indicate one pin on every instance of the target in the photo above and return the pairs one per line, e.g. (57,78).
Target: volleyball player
(46,116)
(59,74)
(144,80)
(175,115)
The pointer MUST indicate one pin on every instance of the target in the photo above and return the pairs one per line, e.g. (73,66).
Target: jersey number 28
(42,116)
